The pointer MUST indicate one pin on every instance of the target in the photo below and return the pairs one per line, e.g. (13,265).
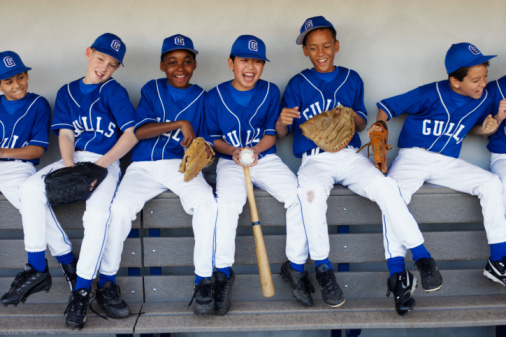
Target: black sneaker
(402,285)
(203,298)
(300,284)
(69,270)
(109,299)
(496,271)
(222,291)
(430,275)
(27,282)
(77,309)
(331,292)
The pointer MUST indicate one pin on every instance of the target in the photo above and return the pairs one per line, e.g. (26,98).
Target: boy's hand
(188,133)
(373,128)
(236,157)
(490,125)
(501,112)
(287,115)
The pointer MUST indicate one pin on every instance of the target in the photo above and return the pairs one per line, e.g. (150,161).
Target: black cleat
(222,291)
(331,292)
(109,299)
(77,309)
(203,298)
(402,285)
(69,270)
(430,275)
(300,284)
(27,282)
(496,271)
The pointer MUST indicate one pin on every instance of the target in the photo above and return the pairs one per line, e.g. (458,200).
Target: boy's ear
(161,67)
(230,64)
(88,52)
(336,45)
(454,82)
(304,49)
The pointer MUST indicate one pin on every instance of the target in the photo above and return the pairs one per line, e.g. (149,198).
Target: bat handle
(262,259)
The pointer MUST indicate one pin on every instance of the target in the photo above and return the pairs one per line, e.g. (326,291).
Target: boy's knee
(95,219)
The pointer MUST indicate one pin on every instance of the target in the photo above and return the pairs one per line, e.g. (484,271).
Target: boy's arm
(66,139)
(491,124)
(286,118)
(124,144)
(360,122)
(151,130)
(28,152)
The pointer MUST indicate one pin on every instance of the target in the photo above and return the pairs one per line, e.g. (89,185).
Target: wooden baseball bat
(263,262)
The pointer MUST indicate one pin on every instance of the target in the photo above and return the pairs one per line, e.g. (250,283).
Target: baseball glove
(379,140)
(70,184)
(195,158)
(331,130)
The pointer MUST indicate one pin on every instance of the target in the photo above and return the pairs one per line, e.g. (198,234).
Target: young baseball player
(241,114)
(439,115)
(93,118)
(169,116)
(495,270)
(25,119)
(309,93)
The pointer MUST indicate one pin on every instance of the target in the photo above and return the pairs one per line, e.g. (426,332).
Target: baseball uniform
(154,169)
(437,121)
(497,141)
(313,93)
(97,114)
(22,122)
(244,126)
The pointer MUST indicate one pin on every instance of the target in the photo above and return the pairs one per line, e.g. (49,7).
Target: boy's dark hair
(192,53)
(460,73)
(332,31)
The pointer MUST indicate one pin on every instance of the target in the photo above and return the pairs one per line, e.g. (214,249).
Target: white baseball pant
(143,181)
(317,176)
(269,174)
(414,166)
(39,232)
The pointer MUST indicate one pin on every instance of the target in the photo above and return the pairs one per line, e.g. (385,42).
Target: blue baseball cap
(111,45)
(249,46)
(11,65)
(464,55)
(176,42)
(313,23)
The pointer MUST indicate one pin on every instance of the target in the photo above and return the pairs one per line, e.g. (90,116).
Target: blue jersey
(27,125)
(98,119)
(158,106)
(438,117)
(313,93)
(238,125)
(497,141)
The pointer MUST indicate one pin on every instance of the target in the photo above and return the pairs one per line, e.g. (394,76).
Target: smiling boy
(439,115)
(93,118)
(308,93)
(169,117)
(241,114)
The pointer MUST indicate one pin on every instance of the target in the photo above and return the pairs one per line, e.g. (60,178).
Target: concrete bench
(163,254)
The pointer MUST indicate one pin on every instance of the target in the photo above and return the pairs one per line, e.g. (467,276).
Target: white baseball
(246,157)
